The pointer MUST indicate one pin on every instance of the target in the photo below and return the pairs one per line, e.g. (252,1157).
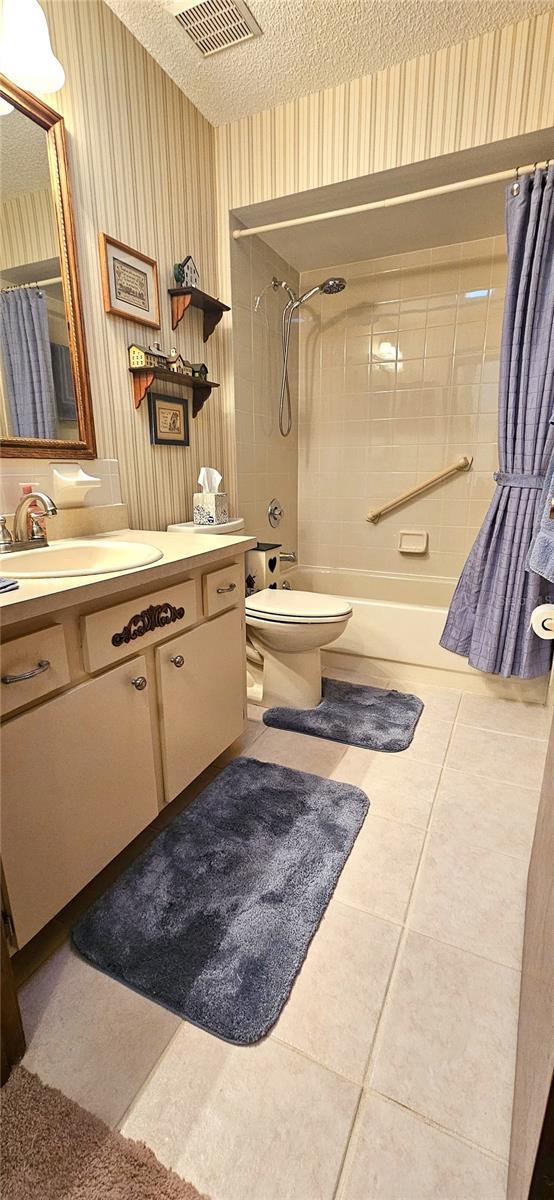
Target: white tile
(299,751)
(430,740)
(399,789)
(447,1042)
(498,756)
(245,1123)
(91,1037)
(336,1001)
(395,1155)
(472,898)
(379,873)
(488,813)
(439,702)
(505,716)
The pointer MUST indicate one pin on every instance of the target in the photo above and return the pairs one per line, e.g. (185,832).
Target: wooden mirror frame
(53,124)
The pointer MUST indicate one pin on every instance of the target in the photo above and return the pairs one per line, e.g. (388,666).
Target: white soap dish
(70,484)
(413,541)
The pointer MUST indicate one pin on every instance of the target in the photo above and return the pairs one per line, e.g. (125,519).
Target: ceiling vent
(215,25)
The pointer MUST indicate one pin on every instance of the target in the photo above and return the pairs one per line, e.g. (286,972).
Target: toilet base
(278,680)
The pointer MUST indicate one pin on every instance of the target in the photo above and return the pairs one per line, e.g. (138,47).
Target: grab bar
(463,464)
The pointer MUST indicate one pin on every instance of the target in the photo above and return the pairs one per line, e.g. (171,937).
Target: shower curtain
(488,621)
(27,363)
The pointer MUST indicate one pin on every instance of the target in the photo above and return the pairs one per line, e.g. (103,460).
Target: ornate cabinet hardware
(154,617)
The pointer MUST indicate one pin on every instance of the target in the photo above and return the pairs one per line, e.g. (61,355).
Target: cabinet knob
(139,683)
(177,660)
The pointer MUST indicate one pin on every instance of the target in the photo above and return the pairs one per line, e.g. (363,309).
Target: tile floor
(389,1074)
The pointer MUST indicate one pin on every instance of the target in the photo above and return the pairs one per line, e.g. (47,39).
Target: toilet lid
(275,604)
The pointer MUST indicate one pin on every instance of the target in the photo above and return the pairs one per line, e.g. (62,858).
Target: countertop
(181,552)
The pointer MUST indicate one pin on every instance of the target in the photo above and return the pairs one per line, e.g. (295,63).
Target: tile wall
(267,464)
(398,377)
(38,471)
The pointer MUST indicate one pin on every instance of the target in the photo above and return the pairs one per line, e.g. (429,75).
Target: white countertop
(181,551)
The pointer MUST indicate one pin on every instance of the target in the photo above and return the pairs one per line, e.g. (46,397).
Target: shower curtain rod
(37,283)
(388,202)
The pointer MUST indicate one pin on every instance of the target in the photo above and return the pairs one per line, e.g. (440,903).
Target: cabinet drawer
(78,784)
(223,589)
(123,629)
(27,655)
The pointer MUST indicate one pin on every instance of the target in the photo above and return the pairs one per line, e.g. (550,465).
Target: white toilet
(285,631)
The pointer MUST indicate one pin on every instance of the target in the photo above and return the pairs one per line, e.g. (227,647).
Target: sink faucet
(21,539)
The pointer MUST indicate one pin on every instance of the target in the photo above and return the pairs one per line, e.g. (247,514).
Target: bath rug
(357,715)
(52,1149)
(215,918)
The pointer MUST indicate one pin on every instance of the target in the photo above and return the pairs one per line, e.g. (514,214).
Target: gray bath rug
(371,717)
(215,918)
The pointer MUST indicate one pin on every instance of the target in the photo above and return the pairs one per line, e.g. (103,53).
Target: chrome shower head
(329,287)
(332,286)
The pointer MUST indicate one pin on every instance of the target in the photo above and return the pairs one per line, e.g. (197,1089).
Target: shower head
(329,287)
(332,286)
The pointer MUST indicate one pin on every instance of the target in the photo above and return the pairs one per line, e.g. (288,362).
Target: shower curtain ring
(515,188)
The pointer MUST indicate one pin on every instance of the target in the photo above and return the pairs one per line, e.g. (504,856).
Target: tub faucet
(21,540)
(288,556)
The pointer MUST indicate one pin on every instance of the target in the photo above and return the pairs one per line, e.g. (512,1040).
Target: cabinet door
(202,678)
(78,785)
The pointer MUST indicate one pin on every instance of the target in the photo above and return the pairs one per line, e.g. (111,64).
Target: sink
(78,556)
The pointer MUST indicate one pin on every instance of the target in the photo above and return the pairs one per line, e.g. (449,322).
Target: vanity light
(26,54)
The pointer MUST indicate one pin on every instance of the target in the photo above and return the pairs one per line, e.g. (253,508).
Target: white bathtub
(395,617)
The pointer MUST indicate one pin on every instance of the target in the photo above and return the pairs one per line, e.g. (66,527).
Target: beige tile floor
(389,1073)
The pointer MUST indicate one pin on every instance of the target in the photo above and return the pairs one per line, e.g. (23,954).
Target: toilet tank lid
(281,603)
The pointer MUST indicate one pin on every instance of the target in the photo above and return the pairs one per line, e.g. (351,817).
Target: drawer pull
(139,683)
(42,665)
(222,590)
(177,660)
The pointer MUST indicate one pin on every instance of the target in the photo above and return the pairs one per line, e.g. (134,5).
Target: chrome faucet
(21,539)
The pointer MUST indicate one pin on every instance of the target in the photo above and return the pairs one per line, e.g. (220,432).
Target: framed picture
(169,420)
(129,283)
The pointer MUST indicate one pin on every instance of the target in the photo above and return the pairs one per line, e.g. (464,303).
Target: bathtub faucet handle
(289,556)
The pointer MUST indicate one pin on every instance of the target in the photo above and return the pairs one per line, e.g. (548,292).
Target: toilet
(285,632)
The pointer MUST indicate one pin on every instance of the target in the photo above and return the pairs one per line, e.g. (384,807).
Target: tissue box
(210,508)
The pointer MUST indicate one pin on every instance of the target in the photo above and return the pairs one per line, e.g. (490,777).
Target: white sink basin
(78,556)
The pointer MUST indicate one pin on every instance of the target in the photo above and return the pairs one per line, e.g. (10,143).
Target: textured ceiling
(308,45)
(23,156)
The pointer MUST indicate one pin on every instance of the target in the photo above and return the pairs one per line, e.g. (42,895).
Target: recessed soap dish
(413,541)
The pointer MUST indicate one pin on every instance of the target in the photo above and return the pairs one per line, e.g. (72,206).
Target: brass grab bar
(463,464)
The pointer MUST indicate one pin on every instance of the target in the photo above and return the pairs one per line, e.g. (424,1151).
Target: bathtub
(395,617)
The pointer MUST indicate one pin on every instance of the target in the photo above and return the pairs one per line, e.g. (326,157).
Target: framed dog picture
(169,420)
(129,283)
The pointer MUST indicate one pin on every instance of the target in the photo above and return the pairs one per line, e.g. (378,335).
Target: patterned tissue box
(210,508)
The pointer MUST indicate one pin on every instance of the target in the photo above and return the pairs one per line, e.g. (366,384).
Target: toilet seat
(296,608)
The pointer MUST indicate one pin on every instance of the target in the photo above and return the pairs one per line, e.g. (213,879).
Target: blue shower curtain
(27,363)
(488,621)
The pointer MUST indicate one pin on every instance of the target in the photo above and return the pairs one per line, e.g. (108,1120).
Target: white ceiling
(307,45)
(437,221)
(23,156)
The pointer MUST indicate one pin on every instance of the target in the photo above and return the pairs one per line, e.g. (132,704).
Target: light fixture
(26,55)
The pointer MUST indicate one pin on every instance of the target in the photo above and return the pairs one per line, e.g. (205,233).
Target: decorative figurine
(199,371)
(186,273)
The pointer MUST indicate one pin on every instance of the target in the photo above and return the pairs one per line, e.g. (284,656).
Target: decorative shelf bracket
(143,378)
(183,298)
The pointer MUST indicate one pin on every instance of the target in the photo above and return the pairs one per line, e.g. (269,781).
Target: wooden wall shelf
(143,378)
(191,297)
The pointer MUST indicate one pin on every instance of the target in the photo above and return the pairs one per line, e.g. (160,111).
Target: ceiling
(437,221)
(23,156)
(307,45)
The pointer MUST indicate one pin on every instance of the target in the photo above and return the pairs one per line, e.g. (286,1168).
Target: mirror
(45,406)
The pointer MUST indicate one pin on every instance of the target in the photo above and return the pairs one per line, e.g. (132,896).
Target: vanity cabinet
(78,784)
(131,701)
(201,678)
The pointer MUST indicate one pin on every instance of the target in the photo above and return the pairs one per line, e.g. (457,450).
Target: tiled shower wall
(267,464)
(398,378)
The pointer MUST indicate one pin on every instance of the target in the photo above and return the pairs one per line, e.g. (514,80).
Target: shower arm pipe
(389,202)
(462,464)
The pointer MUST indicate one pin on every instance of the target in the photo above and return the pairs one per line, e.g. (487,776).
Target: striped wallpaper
(28,229)
(493,87)
(143,170)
